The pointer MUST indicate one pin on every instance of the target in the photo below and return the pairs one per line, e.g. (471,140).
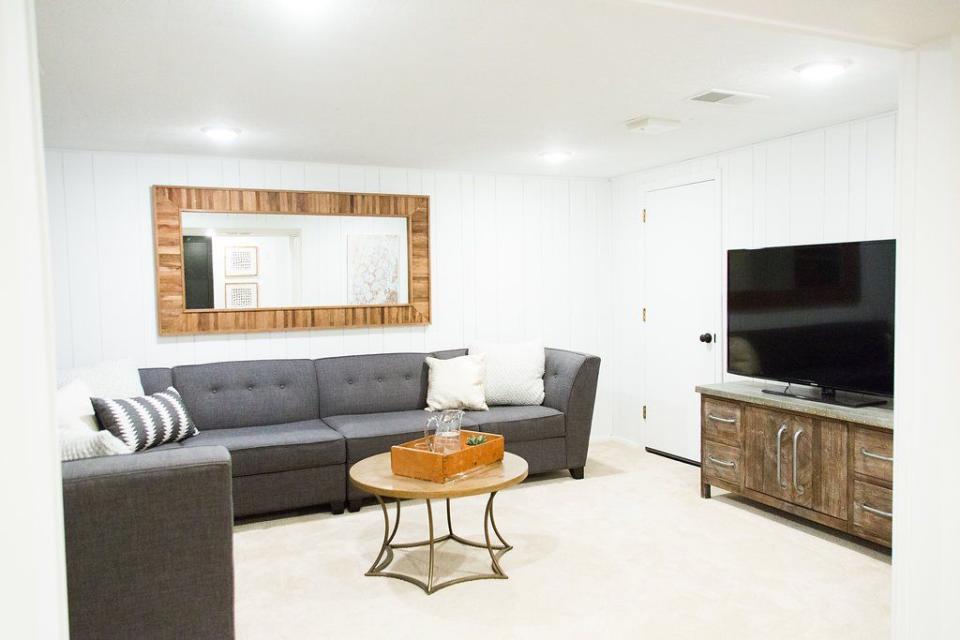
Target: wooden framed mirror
(240,260)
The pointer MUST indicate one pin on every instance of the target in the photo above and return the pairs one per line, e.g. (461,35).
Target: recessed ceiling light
(822,69)
(221,134)
(554,157)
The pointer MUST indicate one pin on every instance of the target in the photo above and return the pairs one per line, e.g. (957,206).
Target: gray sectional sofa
(149,545)
(274,435)
(294,427)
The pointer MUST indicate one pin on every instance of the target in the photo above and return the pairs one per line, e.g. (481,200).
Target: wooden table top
(375,476)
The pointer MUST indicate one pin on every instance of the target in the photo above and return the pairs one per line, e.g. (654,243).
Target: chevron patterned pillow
(146,421)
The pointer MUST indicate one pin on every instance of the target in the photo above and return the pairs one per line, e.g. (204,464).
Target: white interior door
(683,277)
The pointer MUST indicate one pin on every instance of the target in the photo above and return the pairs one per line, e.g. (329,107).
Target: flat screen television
(819,315)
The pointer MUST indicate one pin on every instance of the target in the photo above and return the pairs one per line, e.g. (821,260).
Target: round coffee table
(375,476)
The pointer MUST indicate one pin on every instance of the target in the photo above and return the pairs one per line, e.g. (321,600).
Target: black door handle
(706,337)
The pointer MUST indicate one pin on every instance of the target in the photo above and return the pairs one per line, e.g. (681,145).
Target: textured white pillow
(78,429)
(456,383)
(112,379)
(76,442)
(514,372)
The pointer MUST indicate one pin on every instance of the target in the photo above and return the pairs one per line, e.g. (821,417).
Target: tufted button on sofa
(293,428)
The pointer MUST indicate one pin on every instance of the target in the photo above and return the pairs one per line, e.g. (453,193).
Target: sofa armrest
(570,386)
(149,545)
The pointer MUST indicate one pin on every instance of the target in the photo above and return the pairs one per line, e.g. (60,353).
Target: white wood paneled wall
(513,257)
(829,185)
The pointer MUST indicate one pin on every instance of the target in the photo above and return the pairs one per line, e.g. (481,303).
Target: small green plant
(473,441)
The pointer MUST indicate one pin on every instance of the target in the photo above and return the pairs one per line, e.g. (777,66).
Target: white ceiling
(452,84)
(897,23)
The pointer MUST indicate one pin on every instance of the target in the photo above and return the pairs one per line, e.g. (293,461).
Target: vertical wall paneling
(115,197)
(806,188)
(759,196)
(858,180)
(83,255)
(530,247)
(485,238)
(583,265)
(509,258)
(604,314)
(556,261)
(737,189)
(513,257)
(829,185)
(625,365)
(506,263)
(60,258)
(836,191)
(446,253)
(881,178)
(777,193)
(468,258)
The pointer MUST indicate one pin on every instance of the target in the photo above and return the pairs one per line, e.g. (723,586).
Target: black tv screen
(819,315)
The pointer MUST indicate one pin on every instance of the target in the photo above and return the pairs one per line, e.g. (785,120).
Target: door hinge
(644,215)
(643,314)
(644,412)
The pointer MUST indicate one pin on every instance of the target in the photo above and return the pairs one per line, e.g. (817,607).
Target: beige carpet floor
(632,551)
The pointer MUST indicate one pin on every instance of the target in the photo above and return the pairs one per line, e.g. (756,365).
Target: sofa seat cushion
(517,424)
(277,447)
(368,434)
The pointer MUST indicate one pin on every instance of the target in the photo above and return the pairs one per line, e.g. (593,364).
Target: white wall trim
(35,600)
(926,523)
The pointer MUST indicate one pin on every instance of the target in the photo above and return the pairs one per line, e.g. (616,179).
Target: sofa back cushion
(375,383)
(155,380)
(248,393)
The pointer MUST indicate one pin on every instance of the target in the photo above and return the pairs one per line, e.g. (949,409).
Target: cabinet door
(830,469)
(768,452)
(780,461)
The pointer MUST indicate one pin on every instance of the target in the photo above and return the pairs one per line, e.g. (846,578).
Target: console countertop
(752,392)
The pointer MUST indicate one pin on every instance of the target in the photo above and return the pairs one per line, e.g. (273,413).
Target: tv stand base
(829,396)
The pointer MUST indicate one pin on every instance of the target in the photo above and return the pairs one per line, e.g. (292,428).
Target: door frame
(645,189)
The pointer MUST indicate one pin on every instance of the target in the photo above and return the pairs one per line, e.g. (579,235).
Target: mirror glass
(264,261)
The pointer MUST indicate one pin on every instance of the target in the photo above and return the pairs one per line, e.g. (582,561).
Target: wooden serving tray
(415,460)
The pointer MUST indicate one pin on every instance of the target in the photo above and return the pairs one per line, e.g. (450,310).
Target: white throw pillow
(456,383)
(112,379)
(78,429)
(74,406)
(77,442)
(514,372)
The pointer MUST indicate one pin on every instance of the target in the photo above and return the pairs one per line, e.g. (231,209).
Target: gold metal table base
(385,557)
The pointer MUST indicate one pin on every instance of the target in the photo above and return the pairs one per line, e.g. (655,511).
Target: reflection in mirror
(263,261)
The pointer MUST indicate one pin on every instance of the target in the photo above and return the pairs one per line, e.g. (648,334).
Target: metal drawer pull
(796,486)
(719,419)
(721,462)
(875,456)
(876,512)
(783,428)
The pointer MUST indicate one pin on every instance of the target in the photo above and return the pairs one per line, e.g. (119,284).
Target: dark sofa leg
(336,507)
(577,473)
(354,505)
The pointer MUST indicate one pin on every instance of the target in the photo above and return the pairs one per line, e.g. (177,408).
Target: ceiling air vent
(722,96)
